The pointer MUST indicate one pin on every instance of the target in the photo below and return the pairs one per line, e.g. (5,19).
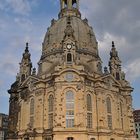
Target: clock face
(69,46)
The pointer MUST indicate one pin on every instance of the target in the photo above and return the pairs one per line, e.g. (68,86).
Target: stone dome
(70,25)
(83,34)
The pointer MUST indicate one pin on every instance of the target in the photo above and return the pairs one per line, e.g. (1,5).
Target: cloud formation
(21,7)
(119,21)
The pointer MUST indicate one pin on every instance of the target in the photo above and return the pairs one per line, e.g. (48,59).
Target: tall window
(89,111)
(121,114)
(109,112)
(31,112)
(69,57)
(32,107)
(108,102)
(22,77)
(69,109)
(50,111)
(117,76)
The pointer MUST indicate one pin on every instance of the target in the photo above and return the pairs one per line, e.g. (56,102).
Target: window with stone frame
(23,77)
(89,103)
(69,57)
(89,120)
(121,114)
(69,109)
(117,76)
(108,104)
(109,120)
(31,121)
(51,103)
(109,112)
(89,111)
(50,111)
(31,112)
(32,107)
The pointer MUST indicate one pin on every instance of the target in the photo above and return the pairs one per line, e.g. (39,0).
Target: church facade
(69,97)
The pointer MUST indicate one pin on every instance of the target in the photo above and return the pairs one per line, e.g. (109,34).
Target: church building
(69,96)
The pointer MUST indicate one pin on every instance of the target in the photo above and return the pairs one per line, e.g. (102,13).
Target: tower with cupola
(25,65)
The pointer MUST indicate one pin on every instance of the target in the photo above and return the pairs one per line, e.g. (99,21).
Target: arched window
(69,109)
(89,111)
(70,138)
(31,112)
(92,139)
(50,111)
(69,57)
(109,112)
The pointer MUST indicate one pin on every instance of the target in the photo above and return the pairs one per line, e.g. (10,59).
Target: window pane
(69,112)
(69,123)
(108,102)
(121,109)
(50,103)
(69,109)
(69,57)
(32,107)
(109,118)
(50,121)
(31,121)
(89,103)
(69,96)
(89,120)
(70,105)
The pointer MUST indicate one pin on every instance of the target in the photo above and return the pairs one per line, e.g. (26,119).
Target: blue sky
(27,21)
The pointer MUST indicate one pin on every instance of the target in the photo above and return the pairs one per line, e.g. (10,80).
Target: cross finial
(26,49)
(113,44)
(27,44)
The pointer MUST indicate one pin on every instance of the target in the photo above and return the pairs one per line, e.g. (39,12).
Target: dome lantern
(69,8)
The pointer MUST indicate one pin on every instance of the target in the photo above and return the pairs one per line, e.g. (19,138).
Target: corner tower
(69,97)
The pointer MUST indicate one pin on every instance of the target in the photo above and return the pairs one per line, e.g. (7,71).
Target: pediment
(29,82)
(110,81)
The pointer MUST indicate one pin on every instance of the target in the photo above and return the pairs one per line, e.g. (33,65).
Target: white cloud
(24,23)
(1,83)
(133,69)
(4,94)
(19,6)
(8,63)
